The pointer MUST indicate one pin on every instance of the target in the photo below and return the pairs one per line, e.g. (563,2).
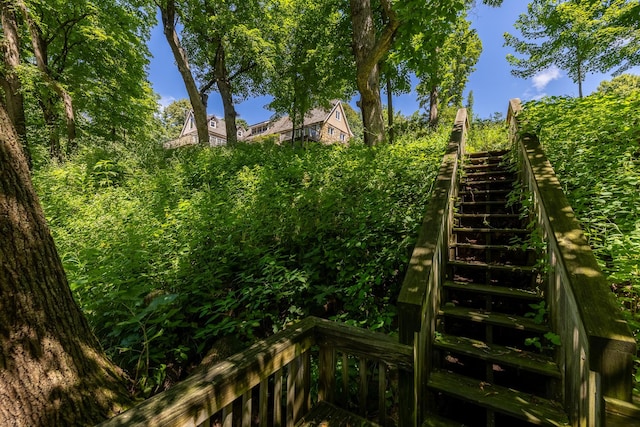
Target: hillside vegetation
(168,252)
(593,144)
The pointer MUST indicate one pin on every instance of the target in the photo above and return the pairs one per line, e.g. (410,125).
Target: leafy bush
(169,252)
(593,146)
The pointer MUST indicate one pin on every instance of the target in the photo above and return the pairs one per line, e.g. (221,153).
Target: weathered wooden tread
(487,181)
(509,356)
(491,172)
(485,191)
(490,230)
(501,202)
(501,291)
(325,414)
(523,406)
(487,215)
(514,248)
(493,318)
(494,267)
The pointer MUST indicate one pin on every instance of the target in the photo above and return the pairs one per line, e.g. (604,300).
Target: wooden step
(468,183)
(487,215)
(479,191)
(523,406)
(493,267)
(490,230)
(515,248)
(325,414)
(497,319)
(490,153)
(500,354)
(491,172)
(501,291)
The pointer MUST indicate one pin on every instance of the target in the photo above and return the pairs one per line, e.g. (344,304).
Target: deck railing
(419,298)
(597,348)
(276,381)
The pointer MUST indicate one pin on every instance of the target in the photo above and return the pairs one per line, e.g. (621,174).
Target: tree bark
(168,13)
(368,52)
(390,109)
(13,89)
(40,53)
(433,107)
(224,86)
(52,369)
(47,105)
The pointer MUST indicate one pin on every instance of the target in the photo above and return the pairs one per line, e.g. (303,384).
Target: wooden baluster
(277,398)
(306,381)
(362,364)
(227,415)
(327,367)
(291,391)
(264,402)
(382,389)
(247,401)
(345,377)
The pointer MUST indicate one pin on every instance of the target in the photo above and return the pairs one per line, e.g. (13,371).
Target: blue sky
(492,83)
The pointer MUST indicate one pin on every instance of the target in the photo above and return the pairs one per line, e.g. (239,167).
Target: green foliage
(592,144)
(487,135)
(167,252)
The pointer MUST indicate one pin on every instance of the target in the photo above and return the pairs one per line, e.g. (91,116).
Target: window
(342,136)
(212,123)
(240,133)
(337,115)
(331,130)
(192,122)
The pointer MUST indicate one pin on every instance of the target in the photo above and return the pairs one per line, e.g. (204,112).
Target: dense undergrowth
(594,146)
(169,252)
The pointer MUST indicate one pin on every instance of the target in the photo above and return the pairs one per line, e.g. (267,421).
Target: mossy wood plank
(496,267)
(510,356)
(524,406)
(502,291)
(361,342)
(496,319)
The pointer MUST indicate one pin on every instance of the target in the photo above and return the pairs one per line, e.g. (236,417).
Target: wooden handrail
(281,360)
(597,348)
(419,297)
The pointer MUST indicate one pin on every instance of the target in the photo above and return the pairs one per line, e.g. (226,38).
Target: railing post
(419,297)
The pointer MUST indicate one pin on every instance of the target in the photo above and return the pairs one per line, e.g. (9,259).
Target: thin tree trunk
(224,86)
(52,369)
(13,89)
(433,107)
(390,109)
(47,106)
(198,101)
(369,51)
(40,53)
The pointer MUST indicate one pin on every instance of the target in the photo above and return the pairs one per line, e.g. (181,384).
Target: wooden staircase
(483,373)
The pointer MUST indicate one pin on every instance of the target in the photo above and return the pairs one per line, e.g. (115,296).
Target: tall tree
(444,68)
(577,36)
(197,97)
(52,369)
(371,42)
(312,65)
(10,80)
(173,117)
(41,54)
(231,48)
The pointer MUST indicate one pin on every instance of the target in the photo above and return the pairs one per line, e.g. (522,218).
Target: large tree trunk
(224,87)
(52,369)
(13,88)
(40,53)
(390,109)
(368,52)
(198,102)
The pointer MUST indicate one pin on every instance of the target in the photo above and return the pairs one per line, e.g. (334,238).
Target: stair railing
(597,348)
(275,381)
(419,299)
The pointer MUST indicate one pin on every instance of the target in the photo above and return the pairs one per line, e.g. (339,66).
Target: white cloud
(165,100)
(543,78)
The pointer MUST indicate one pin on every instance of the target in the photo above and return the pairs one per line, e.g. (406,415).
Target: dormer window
(213,124)
(240,133)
